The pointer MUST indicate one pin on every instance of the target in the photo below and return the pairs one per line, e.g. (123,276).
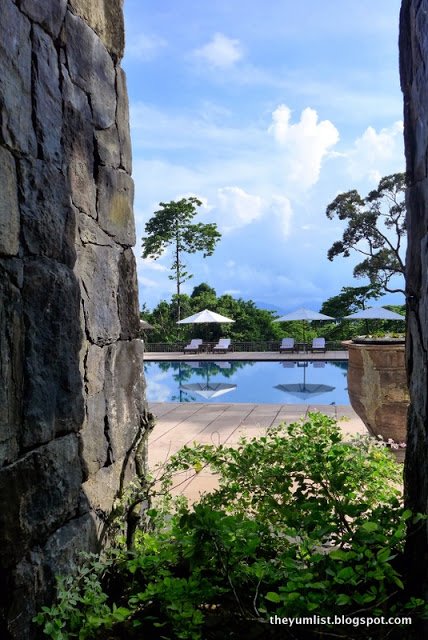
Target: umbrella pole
(179,382)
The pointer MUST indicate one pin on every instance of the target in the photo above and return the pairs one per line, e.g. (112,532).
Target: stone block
(34,577)
(95,444)
(9,210)
(38,493)
(47,97)
(78,140)
(98,271)
(127,296)
(53,400)
(47,219)
(105,17)
(102,488)
(91,68)
(89,232)
(11,356)
(416,197)
(124,390)
(108,147)
(16,128)
(49,15)
(95,370)
(122,119)
(115,202)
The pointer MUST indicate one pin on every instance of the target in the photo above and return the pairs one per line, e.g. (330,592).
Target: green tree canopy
(375,228)
(251,323)
(172,226)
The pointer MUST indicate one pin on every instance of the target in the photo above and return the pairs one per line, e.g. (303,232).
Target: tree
(376,227)
(172,225)
(349,300)
(251,323)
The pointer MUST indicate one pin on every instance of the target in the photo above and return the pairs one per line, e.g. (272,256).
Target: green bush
(303,523)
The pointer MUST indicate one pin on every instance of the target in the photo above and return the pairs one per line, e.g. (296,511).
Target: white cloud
(237,208)
(374,154)
(221,51)
(305,143)
(145,47)
(158,388)
(153,265)
(147,282)
(282,210)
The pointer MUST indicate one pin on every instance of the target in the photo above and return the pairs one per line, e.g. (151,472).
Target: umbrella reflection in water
(208,389)
(303,389)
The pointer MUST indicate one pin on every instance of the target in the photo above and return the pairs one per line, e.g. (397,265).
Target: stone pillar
(414,82)
(72,409)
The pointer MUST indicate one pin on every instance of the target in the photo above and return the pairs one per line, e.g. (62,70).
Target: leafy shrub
(303,523)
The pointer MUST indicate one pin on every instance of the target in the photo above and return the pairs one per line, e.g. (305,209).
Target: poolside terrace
(179,424)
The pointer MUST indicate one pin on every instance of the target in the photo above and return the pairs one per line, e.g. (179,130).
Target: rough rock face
(414,82)
(72,411)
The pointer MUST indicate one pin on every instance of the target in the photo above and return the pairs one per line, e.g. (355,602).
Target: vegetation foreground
(304,524)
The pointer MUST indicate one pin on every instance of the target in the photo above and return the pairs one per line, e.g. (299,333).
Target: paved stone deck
(179,424)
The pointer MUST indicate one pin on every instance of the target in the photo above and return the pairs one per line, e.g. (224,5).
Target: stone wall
(72,412)
(414,81)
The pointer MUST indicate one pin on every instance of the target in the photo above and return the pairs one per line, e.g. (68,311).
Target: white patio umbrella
(374,313)
(305,315)
(144,325)
(205,316)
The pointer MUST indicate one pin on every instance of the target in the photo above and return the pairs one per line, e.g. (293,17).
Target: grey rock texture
(73,418)
(414,82)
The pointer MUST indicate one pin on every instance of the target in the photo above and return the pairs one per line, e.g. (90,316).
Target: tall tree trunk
(414,83)
(177,272)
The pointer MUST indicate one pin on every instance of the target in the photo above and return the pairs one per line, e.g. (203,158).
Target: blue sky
(265,111)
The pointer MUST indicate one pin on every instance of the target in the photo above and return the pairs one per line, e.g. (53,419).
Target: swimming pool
(289,382)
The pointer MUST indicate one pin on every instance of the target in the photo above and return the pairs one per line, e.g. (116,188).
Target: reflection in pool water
(289,382)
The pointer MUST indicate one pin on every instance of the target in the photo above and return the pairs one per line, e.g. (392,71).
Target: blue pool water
(309,382)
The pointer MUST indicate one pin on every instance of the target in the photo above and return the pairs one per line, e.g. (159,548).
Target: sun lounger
(193,346)
(222,346)
(289,364)
(318,345)
(287,344)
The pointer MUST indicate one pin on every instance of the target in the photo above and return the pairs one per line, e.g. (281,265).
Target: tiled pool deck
(184,423)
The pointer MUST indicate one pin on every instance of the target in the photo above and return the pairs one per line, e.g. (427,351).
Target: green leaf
(346,573)
(383,555)
(398,582)
(272,596)
(338,554)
